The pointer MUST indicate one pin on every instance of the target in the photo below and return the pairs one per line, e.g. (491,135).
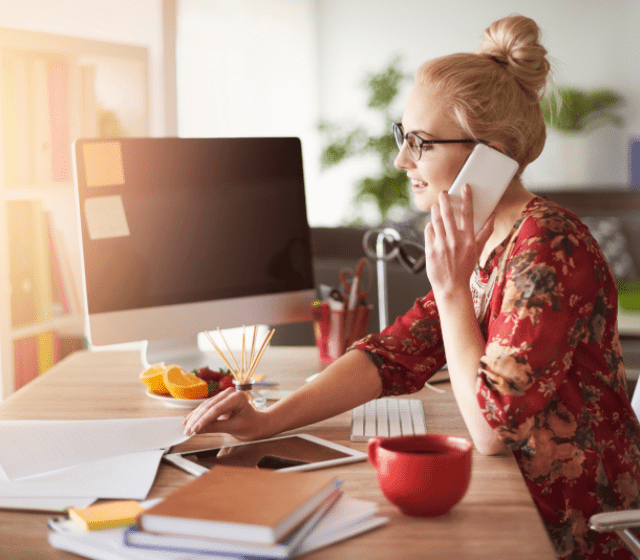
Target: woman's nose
(403,159)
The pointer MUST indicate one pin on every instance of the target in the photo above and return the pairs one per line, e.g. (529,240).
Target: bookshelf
(53,90)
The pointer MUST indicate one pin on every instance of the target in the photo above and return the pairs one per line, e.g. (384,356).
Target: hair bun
(514,41)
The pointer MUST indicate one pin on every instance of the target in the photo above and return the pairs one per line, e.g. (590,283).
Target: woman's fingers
(221,407)
(199,410)
(436,222)
(448,215)
(450,244)
(467,209)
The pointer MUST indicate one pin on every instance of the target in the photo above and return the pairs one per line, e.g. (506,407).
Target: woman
(524,313)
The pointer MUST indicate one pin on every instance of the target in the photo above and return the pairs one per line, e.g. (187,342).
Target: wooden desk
(495,519)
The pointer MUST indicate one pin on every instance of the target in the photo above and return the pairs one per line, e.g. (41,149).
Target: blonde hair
(494,94)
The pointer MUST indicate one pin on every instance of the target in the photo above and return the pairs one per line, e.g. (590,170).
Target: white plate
(177,403)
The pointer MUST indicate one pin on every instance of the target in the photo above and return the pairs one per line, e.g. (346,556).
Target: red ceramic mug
(424,475)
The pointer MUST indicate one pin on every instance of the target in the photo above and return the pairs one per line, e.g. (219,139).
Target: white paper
(45,504)
(29,447)
(108,544)
(123,476)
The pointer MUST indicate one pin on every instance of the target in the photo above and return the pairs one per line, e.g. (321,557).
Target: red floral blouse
(551,382)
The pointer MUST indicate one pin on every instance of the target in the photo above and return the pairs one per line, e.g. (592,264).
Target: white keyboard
(388,417)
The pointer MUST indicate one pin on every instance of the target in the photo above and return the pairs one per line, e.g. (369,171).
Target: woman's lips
(418,186)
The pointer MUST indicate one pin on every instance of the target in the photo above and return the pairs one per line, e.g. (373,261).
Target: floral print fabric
(551,382)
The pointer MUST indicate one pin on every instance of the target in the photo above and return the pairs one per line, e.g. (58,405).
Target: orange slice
(182,385)
(153,379)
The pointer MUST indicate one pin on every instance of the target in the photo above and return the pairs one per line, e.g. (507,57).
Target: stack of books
(237,512)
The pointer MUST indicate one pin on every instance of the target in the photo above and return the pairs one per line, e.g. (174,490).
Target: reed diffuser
(242,374)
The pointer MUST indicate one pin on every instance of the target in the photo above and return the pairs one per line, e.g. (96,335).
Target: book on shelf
(36,116)
(35,354)
(25,361)
(40,144)
(12,121)
(29,263)
(58,87)
(64,291)
(240,503)
(48,343)
(42,281)
(70,343)
(89,102)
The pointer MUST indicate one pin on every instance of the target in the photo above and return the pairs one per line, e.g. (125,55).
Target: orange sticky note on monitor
(103,163)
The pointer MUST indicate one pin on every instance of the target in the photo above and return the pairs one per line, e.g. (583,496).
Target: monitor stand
(194,352)
(184,352)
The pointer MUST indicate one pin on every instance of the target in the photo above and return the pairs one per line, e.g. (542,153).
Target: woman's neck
(508,210)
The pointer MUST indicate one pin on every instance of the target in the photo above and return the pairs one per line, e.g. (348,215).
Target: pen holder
(335,330)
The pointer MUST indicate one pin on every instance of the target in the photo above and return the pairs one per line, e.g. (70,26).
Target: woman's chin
(423,201)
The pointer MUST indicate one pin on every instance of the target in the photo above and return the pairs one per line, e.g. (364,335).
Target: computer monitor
(185,235)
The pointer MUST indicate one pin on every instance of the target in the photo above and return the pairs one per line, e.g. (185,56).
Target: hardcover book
(240,503)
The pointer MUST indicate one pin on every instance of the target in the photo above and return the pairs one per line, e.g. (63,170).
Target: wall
(248,68)
(136,22)
(592,43)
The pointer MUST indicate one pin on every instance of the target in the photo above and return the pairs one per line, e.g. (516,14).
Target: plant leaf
(384,86)
(571,109)
(387,190)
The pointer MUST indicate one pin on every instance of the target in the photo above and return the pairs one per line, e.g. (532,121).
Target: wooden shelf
(50,95)
(67,324)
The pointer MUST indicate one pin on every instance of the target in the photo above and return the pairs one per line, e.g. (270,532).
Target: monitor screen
(183,235)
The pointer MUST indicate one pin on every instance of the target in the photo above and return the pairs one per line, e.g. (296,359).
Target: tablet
(294,452)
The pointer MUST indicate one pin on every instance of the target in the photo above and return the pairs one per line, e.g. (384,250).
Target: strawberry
(206,374)
(225,382)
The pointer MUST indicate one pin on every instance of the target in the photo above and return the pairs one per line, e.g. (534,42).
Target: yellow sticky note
(104,516)
(106,217)
(103,163)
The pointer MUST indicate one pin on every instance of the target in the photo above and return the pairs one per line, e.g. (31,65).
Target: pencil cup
(335,330)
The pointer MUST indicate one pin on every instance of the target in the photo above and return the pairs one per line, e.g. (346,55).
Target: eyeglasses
(416,144)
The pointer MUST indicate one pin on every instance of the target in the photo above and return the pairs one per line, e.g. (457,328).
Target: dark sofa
(615,210)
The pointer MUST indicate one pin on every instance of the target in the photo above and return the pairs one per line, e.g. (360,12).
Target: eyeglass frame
(422,142)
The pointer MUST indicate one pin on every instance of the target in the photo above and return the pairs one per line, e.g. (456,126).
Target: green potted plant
(571,110)
(387,187)
(577,154)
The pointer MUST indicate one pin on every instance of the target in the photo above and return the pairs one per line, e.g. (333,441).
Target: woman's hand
(451,252)
(228,412)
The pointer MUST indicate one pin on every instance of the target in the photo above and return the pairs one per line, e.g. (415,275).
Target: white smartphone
(488,172)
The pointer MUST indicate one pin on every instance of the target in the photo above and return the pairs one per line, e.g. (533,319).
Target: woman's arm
(350,381)
(464,346)
(451,256)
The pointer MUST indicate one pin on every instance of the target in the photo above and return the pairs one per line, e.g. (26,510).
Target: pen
(353,294)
